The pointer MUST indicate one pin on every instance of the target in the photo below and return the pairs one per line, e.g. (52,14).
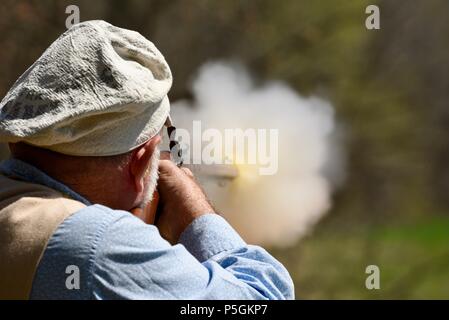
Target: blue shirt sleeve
(120,257)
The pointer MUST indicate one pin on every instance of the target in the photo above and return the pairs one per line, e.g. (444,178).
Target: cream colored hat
(98,90)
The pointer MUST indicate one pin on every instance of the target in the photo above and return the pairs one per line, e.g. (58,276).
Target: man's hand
(181,200)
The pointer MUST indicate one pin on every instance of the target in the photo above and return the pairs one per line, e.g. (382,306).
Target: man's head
(88,113)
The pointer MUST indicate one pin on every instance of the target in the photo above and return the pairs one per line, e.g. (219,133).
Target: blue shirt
(120,257)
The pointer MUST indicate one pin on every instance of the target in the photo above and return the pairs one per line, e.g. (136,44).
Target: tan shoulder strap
(29,215)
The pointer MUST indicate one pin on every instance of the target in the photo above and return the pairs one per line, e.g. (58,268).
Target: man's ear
(140,161)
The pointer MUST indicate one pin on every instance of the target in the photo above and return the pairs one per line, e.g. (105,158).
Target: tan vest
(29,215)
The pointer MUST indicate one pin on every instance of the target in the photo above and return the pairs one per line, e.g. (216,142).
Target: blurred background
(389,92)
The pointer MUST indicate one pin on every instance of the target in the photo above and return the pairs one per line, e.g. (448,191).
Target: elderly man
(83,125)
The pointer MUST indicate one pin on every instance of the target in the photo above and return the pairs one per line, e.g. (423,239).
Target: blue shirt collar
(20,170)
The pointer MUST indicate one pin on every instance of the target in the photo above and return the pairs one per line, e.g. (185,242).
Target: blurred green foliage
(412,257)
(390,88)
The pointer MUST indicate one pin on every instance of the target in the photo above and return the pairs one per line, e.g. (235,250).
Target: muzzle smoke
(273,209)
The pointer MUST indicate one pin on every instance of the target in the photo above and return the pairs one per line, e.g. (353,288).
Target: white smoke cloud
(277,209)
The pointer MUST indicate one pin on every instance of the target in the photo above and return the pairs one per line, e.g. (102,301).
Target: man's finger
(187,171)
(166,166)
(165,155)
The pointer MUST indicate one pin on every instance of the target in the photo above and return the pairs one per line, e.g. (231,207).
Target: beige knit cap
(98,90)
